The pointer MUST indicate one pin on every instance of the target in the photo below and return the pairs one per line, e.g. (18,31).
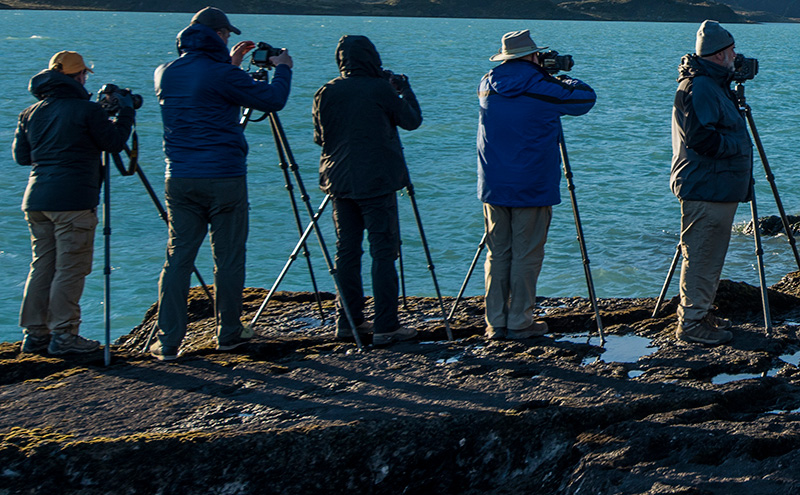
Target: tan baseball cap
(68,62)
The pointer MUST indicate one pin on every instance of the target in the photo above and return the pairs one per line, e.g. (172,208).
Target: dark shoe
(364,328)
(33,343)
(163,353)
(243,338)
(67,343)
(717,322)
(703,332)
(536,329)
(402,333)
(496,333)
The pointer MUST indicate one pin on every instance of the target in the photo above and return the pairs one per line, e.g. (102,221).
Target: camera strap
(133,156)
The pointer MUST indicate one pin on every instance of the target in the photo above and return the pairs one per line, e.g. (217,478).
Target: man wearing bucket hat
(62,138)
(711,174)
(519,126)
(201,94)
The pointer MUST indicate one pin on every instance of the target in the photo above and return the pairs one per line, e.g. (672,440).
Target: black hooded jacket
(356,117)
(62,138)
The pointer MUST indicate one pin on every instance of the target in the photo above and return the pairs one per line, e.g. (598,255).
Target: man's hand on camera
(283,58)
(399,82)
(124,100)
(239,50)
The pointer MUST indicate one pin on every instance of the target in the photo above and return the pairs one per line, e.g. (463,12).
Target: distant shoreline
(585,10)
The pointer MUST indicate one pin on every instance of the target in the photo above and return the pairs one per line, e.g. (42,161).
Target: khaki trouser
(515,250)
(62,244)
(705,235)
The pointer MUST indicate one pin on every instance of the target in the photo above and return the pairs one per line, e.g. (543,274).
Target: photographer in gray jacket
(711,174)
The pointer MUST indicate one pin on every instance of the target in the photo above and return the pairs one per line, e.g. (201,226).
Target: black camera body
(398,81)
(553,63)
(107,99)
(262,54)
(744,68)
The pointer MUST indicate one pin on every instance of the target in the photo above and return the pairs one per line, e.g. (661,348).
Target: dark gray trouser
(515,252)
(193,205)
(62,245)
(705,235)
(379,217)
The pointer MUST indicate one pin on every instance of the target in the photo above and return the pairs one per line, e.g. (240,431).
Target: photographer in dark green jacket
(362,166)
(62,138)
(711,175)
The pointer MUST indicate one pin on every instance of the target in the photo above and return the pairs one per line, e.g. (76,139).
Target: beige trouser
(515,251)
(705,235)
(62,243)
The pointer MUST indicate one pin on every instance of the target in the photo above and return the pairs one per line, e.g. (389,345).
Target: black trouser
(379,216)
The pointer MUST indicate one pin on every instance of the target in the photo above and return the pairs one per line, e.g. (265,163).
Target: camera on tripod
(107,97)
(744,68)
(553,63)
(262,54)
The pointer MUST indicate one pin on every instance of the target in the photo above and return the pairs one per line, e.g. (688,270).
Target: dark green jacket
(62,138)
(711,148)
(356,117)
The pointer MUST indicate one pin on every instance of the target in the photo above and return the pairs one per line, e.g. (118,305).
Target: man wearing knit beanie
(711,174)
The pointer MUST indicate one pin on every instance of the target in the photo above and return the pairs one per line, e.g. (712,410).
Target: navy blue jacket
(712,155)
(518,130)
(62,138)
(200,95)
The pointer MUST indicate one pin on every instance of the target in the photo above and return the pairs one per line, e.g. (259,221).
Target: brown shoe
(363,328)
(536,329)
(703,332)
(402,333)
(496,333)
(717,322)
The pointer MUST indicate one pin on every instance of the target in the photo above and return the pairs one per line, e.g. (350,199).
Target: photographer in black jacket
(362,166)
(62,137)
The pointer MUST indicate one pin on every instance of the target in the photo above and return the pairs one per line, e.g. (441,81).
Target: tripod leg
(402,273)
(290,188)
(760,258)
(304,196)
(671,272)
(107,256)
(587,271)
(771,178)
(481,245)
(410,189)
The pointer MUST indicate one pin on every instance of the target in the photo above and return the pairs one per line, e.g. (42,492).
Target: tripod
(747,114)
(579,229)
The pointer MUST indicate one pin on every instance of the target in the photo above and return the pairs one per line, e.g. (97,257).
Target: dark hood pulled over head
(357,56)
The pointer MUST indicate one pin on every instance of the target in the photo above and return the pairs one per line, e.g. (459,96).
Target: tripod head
(738,90)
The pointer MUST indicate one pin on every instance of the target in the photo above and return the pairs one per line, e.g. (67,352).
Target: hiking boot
(717,322)
(163,352)
(703,332)
(363,328)
(67,343)
(243,338)
(496,333)
(402,333)
(34,343)
(536,329)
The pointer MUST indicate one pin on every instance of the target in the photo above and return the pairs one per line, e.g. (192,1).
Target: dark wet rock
(299,412)
(773,225)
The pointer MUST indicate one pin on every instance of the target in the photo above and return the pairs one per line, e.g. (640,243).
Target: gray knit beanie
(711,38)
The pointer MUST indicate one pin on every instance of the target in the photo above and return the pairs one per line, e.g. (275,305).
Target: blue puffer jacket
(200,95)
(518,130)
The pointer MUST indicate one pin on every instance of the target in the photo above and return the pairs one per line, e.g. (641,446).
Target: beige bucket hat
(516,44)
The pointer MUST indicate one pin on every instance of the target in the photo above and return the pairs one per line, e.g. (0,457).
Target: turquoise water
(620,152)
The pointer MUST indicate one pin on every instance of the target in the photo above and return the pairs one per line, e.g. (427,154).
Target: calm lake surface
(620,152)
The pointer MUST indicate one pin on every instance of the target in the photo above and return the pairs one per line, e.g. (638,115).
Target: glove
(124,100)
(399,82)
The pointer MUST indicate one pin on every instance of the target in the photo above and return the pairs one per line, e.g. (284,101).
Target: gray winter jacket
(711,148)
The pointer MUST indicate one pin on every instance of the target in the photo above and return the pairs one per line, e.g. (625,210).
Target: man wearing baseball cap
(62,137)
(519,126)
(711,174)
(201,94)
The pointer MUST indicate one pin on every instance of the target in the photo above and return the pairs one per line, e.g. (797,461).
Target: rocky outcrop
(296,411)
